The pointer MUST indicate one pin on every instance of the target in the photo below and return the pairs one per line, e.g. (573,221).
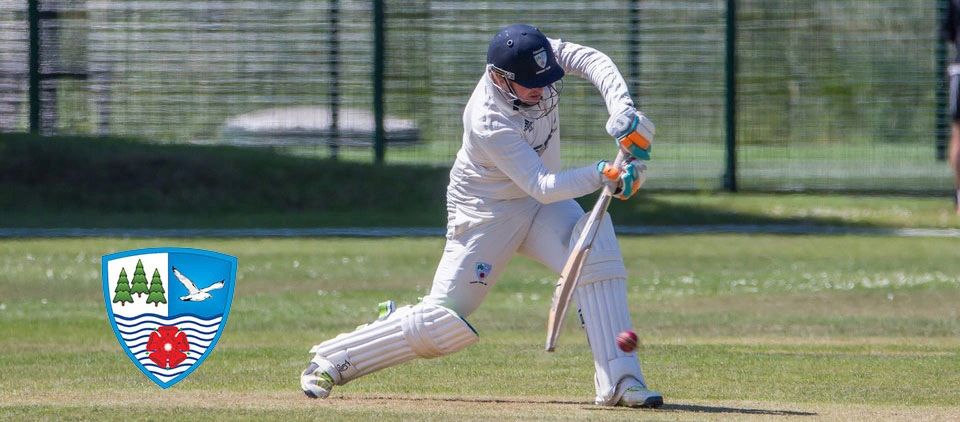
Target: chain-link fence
(830,94)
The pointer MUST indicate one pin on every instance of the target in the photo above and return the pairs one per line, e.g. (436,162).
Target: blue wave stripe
(190,332)
(200,322)
(135,334)
(172,372)
(137,343)
(183,326)
(198,331)
(168,374)
(164,317)
(145,360)
(190,337)
(186,363)
(200,335)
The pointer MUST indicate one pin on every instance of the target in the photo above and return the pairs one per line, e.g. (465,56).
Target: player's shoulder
(490,122)
(485,117)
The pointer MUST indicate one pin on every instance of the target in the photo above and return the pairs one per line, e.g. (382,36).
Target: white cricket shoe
(640,396)
(316,382)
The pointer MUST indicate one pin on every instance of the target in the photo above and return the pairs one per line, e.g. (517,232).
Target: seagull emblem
(196,294)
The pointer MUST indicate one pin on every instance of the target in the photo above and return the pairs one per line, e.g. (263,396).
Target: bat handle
(621,157)
(617,162)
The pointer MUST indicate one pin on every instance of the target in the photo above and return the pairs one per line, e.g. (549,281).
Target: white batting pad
(604,261)
(422,330)
(604,311)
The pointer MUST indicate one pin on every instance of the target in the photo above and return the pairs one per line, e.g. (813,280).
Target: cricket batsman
(507,195)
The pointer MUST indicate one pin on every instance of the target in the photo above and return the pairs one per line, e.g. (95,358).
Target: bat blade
(571,269)
(561,296)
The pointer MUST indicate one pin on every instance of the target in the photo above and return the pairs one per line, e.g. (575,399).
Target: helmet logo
(541,58)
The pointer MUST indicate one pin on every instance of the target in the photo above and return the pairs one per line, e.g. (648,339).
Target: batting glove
(626,179)
(633,132)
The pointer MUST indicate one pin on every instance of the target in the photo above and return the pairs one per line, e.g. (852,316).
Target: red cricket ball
(627,340)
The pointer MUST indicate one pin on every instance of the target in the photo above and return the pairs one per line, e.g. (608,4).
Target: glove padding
(633,132)
(626,179)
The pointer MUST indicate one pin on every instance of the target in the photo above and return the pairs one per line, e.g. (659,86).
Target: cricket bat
(571,269)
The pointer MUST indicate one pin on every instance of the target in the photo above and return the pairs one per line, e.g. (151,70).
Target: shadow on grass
(693,408)
(670,407)
(487,400)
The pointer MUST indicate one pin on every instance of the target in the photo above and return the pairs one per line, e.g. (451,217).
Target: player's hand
(626,179)
(633,132)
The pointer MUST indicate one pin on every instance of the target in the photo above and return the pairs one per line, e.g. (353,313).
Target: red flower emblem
(168,346)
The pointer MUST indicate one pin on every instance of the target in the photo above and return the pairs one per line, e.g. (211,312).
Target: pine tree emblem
(139,286)
(122,292)
(156,296)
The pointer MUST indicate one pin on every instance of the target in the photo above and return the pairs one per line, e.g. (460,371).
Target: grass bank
(123,183)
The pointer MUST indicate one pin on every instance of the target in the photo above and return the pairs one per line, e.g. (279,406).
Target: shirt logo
(527,125)
(483,271)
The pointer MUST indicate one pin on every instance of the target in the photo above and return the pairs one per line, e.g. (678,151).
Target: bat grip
(617,162)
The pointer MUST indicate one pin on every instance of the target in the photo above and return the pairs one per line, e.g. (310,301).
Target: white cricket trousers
(480,243)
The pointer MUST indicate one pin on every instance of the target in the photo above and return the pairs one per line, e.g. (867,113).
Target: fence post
(730,177)
(378,66)
(33,18)
(942,130)
(633,39)
(334,92)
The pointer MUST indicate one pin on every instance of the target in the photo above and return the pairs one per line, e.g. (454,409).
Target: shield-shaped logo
(541,58)
(168,307)
(483,270)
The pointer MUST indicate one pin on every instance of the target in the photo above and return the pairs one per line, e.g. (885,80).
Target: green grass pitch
(731,327)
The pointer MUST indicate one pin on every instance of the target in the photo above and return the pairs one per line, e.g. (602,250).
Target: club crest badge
(541,58)
(483,271)
(168,307)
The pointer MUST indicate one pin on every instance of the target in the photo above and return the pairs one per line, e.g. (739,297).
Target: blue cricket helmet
(522,54)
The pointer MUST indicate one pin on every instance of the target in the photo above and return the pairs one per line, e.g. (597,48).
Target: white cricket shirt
(505,156)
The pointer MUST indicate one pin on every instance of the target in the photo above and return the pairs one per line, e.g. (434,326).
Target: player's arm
(513,156)
(596,67)
(631,128)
